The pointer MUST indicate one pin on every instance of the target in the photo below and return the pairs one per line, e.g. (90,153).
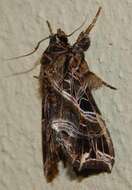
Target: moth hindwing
(73,130)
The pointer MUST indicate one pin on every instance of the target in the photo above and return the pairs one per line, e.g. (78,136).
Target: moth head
(62,37)
(83,41)
(59,37)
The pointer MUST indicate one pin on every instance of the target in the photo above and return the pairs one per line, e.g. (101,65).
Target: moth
(73,130)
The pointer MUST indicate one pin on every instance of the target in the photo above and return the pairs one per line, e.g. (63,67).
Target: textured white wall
(22,24)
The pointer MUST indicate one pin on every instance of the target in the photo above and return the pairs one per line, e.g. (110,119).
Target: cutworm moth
(73,130)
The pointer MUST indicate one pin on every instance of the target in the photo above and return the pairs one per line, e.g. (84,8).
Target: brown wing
(51,109)
(72,126)
(49,146)
(81,132)
(96,151)
(87,146)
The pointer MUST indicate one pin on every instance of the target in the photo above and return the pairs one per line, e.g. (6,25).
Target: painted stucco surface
(22,24)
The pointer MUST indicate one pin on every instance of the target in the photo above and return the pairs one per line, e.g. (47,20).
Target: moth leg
(108,85)
(46,59)
(47,56)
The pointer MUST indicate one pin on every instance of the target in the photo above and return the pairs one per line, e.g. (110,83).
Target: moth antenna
(30,53)
(49,26)
(87,31)
(24,72)
(78,27)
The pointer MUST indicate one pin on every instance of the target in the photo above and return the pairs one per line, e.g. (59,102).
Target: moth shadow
(79,176)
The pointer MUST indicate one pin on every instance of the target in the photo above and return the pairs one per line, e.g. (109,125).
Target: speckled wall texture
(22,24)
